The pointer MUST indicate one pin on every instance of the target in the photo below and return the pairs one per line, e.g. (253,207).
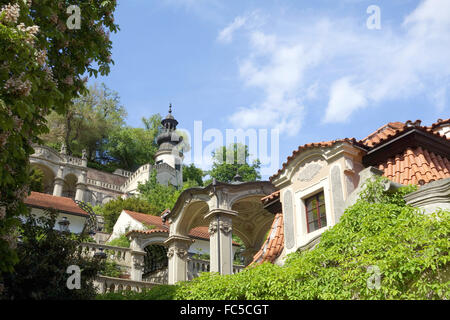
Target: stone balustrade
(137,173)
(102,184)
(75,161)
(108,284)
(196,266)
(120,255)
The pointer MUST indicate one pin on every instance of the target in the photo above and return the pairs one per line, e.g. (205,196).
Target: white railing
(108,284)
(103,184)
(121,256)
(136,174)
(196,266)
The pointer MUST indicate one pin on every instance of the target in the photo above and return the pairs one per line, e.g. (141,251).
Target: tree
(36,176)
(227,161)
(44,257)
(42,65)
(129,148)
(87,123)
(192,173)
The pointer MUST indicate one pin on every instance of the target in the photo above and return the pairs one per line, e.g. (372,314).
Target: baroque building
(68,176)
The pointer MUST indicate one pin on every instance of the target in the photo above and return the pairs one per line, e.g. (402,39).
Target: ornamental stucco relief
(309,170)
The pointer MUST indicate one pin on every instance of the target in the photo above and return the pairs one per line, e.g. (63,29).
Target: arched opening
(48,177)
(155,263)
(70,183)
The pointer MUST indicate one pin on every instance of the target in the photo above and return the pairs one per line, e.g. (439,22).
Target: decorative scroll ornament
(212,227)
(309,171)
(226,227)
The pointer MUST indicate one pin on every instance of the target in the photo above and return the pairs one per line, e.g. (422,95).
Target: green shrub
(121,241)
(111,269)
(380,232)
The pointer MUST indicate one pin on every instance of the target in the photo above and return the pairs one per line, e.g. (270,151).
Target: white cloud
(344,99)
(226,35)
(340,60)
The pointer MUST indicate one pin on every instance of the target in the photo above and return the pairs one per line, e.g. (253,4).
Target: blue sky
(311,69)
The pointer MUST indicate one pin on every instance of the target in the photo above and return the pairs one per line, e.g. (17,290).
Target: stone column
(178,256)
(220,240)
(81,187)
(59,182)
(137,265)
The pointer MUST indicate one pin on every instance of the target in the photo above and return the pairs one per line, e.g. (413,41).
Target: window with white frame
(316,216)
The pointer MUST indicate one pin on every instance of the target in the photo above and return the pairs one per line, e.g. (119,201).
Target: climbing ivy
(381,249)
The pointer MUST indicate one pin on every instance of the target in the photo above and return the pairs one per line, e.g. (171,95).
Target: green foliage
(42,63)
(192,173)
(87,123)
(409,248)
(44,256)
(227,161)
(130,147)
(112,209)
(161,292)
(159,196)
(111,269)
(36,176)
(121,241)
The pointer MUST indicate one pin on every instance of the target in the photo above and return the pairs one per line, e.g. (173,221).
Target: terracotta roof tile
(439,122)
(270,197)
(382,133)
(416,166)
(147,219)
(274,244)
(48,201)
(148,231)
(393,129)
(310,146)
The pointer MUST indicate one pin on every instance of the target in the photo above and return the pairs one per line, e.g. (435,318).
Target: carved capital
(212,227)
(170,252)
(226,227)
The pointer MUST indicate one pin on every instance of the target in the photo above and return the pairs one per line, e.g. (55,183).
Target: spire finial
(170,107)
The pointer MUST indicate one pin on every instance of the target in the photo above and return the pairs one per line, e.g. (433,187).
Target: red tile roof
(416,166)
(273,196)
(150,231)
(48,201)
(439,122)
(413,166)
(147,219)
(274,244)
(382,133)
(311,146)
(394,129)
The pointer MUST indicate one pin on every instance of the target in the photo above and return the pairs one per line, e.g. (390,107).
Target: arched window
(155,259)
